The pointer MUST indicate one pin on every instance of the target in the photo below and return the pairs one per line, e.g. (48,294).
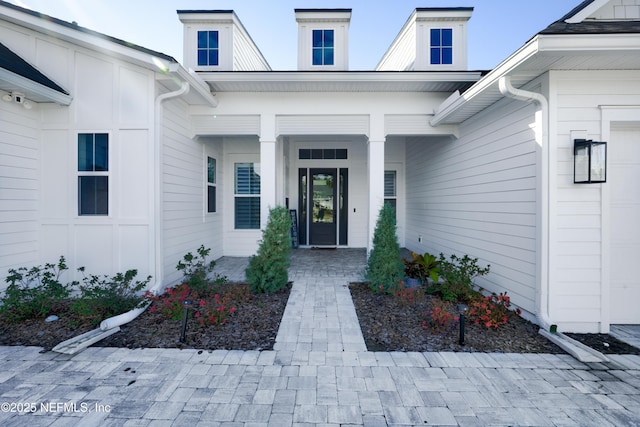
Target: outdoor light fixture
(183,329)
(18,98)
(589,161)
(462,310)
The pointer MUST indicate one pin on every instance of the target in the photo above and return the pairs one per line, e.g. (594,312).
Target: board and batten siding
(19,183)
(185,222)
(576,259)
(477,195)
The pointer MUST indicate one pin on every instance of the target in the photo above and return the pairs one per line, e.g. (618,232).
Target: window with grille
(93,174)
(247,196)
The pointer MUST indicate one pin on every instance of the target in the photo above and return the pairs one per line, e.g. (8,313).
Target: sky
(497,27)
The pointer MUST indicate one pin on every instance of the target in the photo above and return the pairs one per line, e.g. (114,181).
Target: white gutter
(127,317)
(542,296)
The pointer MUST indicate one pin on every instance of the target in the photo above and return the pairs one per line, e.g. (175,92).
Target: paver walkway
(318,374)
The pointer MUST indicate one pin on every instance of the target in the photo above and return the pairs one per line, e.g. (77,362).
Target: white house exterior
(475,163)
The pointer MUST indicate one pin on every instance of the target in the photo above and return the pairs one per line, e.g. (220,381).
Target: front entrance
(323,220)
(323,204)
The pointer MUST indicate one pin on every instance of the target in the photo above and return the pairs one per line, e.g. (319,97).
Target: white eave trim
(453,103)
(586,12)
(588,42)
(340,76)
(541,43)
(28,86)
(82,38)
(196,83)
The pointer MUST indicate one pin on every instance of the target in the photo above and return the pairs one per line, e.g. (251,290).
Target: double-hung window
(323,47)
(211,184)
(208,48)
(93,174)
(441,46)
(247,196)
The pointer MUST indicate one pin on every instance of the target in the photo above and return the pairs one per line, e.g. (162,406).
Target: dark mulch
(253,326)
(39,333)
(388,324)
(605,343)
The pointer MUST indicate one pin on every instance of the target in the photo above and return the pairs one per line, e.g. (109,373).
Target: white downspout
(127,317)
(507,89)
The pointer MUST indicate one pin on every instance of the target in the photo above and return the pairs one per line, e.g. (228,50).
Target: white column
(268,165)
(376,184)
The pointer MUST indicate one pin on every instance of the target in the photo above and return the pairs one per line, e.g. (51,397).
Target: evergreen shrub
(385,269)
(268,269)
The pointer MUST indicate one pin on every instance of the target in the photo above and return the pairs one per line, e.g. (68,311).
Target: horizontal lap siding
(477,196)
(577,260)
(185,225)
(18,188)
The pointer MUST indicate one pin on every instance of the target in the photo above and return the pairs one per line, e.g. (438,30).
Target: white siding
(246,56)
(19,156)
(38,162)
(237,150)
(477,196)
(576,270)
(185,223)
(401,55)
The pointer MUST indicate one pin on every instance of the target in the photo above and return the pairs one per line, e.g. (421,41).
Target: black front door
(322,207)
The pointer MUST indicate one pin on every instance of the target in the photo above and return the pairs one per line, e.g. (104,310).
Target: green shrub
(457,274)
(196,270)
(33,292)
(384,266)
(103,296)
(267,271)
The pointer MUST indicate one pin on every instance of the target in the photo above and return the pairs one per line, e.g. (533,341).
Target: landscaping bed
(605,343)
(253,326)
(391,323)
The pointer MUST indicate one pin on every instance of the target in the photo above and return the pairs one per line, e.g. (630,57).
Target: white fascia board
(444,15)
(195,82)
(588,42)
(28,86)
(562,44)
(586,12)
(450,106)
(323,16)
(339,76)
(85,39)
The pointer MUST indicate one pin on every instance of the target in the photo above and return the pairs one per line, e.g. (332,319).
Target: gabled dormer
(216,40)
(432,39)
(323,39)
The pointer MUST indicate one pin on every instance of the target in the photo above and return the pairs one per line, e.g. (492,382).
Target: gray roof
(590,26)
(593,27)
(12,62)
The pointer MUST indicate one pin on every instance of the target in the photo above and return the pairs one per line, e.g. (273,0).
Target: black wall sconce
(589,161)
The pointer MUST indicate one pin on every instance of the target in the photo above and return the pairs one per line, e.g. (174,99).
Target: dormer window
(441,46)
(323,47)
(208,50)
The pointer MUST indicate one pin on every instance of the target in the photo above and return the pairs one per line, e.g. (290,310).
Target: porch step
(75,344)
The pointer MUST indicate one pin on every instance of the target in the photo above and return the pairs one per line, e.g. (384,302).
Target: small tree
(268,269)
(384,266)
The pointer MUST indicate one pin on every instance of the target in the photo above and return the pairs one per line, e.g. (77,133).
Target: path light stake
(462,309)
(183,330)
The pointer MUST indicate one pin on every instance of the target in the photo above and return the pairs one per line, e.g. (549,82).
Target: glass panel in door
(323,221)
